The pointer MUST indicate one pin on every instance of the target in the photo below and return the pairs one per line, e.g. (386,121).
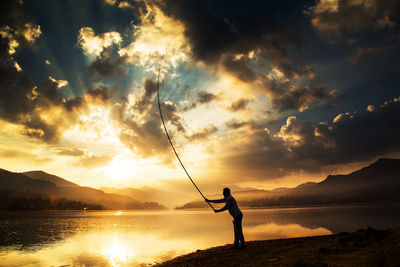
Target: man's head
(226,192)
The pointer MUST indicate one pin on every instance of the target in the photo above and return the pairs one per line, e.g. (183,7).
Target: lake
(130,238)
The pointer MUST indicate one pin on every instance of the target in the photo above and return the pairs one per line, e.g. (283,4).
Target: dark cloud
(16,94)
(206,97)
(247,46)
(20,98)
(286,94)
(212,37)
(342,19)
(47,93)
(202,134)
(16,22)
(236,124)
(106,67)
(21,101)
(202,98)
(239,67)
(377,48)
(101,93)
(73,104)
(309,146)
(370,26)
(239,104)
(146,98)
(38,128)
(143,136)
(171,115)
(300,98)
(140,123)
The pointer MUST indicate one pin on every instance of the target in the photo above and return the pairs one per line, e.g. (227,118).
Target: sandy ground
(366,247)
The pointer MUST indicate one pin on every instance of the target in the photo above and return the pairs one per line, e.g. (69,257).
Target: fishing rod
(169,138)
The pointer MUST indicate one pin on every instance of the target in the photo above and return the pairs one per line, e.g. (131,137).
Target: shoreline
(365,247)
(352,204)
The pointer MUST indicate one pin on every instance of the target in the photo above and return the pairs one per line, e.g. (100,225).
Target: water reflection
(130,238)
(276,231)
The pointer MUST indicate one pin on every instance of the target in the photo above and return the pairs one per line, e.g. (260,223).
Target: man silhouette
(232,207)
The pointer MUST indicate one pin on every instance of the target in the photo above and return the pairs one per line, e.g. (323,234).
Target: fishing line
(169,138)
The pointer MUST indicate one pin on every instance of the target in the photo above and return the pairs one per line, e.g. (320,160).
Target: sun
(120,168)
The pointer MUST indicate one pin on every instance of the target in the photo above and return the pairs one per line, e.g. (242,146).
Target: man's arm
(222,200)
(222,209)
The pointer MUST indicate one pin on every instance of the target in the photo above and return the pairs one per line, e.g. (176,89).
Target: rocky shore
(365,247)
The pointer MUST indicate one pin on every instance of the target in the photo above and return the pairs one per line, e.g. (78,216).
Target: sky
(255,94)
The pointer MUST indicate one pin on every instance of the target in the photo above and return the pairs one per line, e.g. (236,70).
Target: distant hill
(377,182)
(44,176)
(20,183)
(145,194)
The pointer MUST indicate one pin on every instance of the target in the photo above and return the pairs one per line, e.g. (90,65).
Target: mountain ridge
(379,181)
(44,176)
(20,183)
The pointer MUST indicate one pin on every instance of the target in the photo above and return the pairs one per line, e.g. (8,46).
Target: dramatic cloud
(202,99)
(302,97)
(335,19)
(95,44)
(248,46)
(236,124)
(145,99)
(106,67)
(101,93)
(286,94)
(43,110)
(83,92)
(140,126)
(239,104)
(309,146)
(202,134)
(21,102)
(212,37)
(371,26)
(15,26)
(157,37)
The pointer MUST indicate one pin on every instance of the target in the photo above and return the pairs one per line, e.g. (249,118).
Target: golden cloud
(159,36)
(95,44)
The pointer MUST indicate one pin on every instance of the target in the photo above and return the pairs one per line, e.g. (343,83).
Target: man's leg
(236,242)
(239,229)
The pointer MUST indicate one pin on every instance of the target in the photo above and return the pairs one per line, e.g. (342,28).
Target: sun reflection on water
(125,238)
(118,252)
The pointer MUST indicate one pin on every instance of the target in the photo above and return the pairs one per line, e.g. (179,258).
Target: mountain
(379,181)
(11,180)
(43,176)
(22,185)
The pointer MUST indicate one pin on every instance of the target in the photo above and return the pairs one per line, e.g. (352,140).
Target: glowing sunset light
(123,121)
(249,101)
(118,253)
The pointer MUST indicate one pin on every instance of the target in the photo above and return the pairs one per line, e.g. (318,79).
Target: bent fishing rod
(169,138)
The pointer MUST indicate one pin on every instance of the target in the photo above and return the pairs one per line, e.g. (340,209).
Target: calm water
(126,238)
